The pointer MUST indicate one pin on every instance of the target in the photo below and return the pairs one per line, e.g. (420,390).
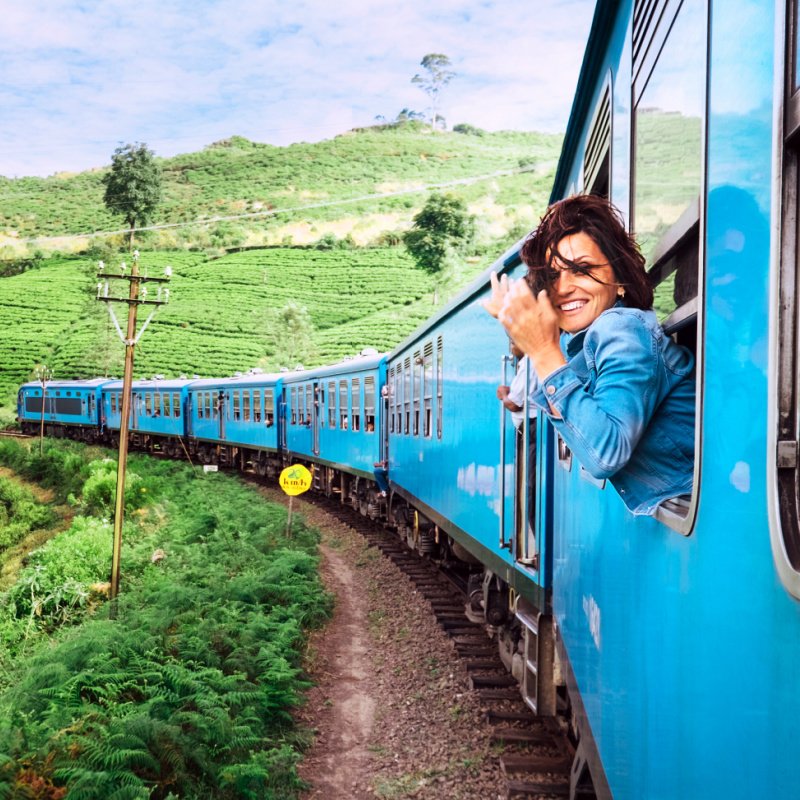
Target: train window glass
(356,401)
(400,384)
(332,404)
(343,405)
(390,385)
(246,406)
(427,389)
(269,407)
(309,403)
(439,385)
(166,404)
(293,404)
(210,410)
(407,396)
(417,373)
(176,404)
(257,405)
(148,404)
(668,156)
(369,403)
(112,398)
(237,405)
(597,155)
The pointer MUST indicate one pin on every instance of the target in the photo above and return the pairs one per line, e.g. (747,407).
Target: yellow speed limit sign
(295,480)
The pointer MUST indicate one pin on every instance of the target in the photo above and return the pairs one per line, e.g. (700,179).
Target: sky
(80,77)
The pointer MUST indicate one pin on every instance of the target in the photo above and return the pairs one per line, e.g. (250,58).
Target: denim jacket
(626,400)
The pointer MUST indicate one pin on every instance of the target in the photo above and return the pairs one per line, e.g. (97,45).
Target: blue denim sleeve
(602,419)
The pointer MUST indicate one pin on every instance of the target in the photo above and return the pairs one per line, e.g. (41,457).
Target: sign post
(294,480)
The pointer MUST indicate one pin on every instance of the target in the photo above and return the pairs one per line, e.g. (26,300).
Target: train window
(356,400)
(786,535)
(597,156)
(246,406)
(369,403)
(669,51)
(392,395)
(309,403)
(112,399)
(293,404)
(343,405)
(257,405)
(269,407)
(210,411)
(407,395)
(399,396)
(166,404)
(427,389)
(439,385)
(331,404)
(237,405)
(416,390)
(148,404)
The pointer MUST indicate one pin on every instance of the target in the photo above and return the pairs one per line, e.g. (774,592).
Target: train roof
(365,361)
(507,261)
(168,384)
(246,379)
(89,383)
(605,13)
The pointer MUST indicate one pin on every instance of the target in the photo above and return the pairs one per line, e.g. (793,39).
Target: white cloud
(77,77)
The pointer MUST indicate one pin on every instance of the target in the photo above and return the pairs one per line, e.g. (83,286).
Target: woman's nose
(563,283)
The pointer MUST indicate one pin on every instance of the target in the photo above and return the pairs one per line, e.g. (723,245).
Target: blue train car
(333,418)
(237,421)
(679,635)
(70,408)
(157,416)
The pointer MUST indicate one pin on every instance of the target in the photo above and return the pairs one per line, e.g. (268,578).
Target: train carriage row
(674,638)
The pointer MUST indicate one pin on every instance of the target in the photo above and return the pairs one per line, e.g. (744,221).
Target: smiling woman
(617,389)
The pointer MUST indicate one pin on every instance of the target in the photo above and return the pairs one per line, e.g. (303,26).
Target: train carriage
(237,421)
(157,413)
(70,406)
(334,418)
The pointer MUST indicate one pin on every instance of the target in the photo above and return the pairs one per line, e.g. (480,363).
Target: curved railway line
(536,753)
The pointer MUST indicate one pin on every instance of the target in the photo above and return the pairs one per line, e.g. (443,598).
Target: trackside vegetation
(188,693)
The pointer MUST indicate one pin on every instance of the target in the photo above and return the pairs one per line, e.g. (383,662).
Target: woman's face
(578,298)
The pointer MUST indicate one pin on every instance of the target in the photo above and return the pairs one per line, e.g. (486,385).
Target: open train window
(416,390)
(427,389)
(166,405)
(407,395)
(670,50)
(390,384)
(332,404)
(343,405)
(237,405)
(369,404)
(269,407)
(293,404)
(356,401)
(210,410)
(257,405)
(786,535)
(148,404)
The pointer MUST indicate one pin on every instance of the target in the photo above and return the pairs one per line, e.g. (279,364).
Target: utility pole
(43,375)
(137,296)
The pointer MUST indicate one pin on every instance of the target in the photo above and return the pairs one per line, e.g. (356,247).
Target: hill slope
(238,177)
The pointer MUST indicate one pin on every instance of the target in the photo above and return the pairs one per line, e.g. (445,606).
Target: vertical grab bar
(504,360)
(526,558)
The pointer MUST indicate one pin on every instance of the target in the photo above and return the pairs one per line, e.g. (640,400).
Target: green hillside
(238,177)
(223,315)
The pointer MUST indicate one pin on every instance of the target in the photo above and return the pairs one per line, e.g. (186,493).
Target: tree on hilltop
(133,185)
(439,74)
(442,228)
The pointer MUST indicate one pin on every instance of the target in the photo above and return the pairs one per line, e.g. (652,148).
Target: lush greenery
(133,185)
(239,177)
(443,229)
(188,692)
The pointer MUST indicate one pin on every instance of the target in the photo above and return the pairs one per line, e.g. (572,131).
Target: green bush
(100,488)
(20,513)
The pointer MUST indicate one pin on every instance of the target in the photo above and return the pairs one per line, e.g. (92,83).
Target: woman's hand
(494,302)
(532,323)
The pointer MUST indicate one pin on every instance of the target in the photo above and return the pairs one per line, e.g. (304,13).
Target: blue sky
(77,77)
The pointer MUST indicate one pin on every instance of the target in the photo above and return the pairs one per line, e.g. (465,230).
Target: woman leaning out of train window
(619,391)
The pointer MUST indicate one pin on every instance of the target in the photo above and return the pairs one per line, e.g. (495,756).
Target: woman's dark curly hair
(600,220)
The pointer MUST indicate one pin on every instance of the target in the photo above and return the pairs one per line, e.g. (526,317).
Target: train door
(315,418)
(282,421)
(507,471)
(221,406)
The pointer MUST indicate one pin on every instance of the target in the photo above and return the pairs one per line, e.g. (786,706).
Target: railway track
(535,753)
(15,435)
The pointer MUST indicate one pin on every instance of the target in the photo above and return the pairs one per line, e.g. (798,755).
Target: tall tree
(437,75)
(444,226)
(133,185)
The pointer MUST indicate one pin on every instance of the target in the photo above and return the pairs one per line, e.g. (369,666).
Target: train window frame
(427,390)
(148,404)
(176,404)
(293,405)
(416,392)
(407,395)
(166,404)
(332,405)
(257,405)
(439,386)
(355,404)
(597,154)
(309,403)
(654,28)
(246,406)
(390,384)
(237,405)
(399,399)
(269,407)
(369,404)
(211,410)
(785,388)
(343,404)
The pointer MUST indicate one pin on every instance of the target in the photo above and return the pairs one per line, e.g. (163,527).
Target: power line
(275,211)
